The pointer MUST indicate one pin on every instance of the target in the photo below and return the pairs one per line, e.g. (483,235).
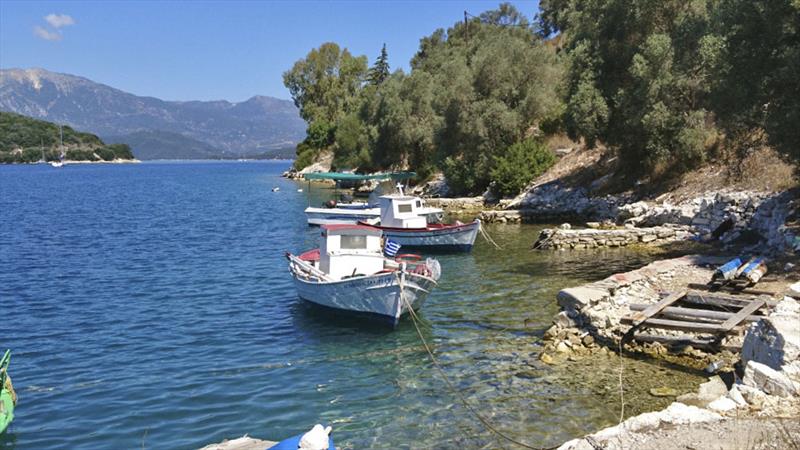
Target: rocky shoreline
(763,377)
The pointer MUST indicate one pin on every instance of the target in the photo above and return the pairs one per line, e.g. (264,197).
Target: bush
(460,176)
(105,153)
(80,155)
(304,158)
(121,151)
(521,163)
(320,134)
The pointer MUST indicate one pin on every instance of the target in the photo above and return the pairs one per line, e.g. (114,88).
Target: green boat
(8,398)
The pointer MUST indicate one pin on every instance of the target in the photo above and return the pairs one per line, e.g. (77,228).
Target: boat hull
(351,215)
(338,216)
(441,238)
(377,298)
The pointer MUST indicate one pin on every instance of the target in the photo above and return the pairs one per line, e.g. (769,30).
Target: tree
(380,71)
(521,163)
(638,77)
(325,84)
(758,85)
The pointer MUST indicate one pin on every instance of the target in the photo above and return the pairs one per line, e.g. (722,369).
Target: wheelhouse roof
(338,176)
(398,197)
(350,230)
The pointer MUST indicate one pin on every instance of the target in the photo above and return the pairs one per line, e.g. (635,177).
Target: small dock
(696,312)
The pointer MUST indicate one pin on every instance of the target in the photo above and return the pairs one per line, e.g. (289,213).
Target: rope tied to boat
(488,238)
(452,388)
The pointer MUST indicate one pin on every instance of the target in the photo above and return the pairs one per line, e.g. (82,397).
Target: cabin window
(354,242)
(404,208)
(419,203)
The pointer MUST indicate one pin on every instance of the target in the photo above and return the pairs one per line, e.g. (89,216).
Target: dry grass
(761,169)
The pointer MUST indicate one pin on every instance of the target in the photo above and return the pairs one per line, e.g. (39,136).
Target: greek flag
(391,248)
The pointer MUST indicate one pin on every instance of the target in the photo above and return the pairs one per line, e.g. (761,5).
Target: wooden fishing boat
(8,398)
(334,212)
(349,273)
(400,221)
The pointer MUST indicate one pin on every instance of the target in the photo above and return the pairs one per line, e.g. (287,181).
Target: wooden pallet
(699,313)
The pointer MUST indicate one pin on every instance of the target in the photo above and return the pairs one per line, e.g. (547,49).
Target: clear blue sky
(208,50)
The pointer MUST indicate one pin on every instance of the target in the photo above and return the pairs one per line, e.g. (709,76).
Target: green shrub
(460,176)
(105,153)
(320,134)
(80,155)
(121,151)
(304,158)
(521,163)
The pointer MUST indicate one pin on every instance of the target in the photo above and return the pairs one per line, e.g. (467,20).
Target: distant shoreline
(146,161)
(70,161)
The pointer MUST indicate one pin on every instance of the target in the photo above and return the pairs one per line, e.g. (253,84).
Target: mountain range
(154,128)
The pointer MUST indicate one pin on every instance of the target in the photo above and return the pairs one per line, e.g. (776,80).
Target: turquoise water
(149,306)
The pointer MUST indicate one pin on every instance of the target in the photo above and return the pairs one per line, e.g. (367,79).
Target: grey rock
(764,378)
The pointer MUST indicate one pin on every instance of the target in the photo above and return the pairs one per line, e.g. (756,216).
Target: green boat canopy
(337,176)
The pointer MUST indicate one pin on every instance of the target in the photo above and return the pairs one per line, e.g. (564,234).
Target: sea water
(150,306)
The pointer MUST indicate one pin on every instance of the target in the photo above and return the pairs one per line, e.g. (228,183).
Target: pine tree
(380,71)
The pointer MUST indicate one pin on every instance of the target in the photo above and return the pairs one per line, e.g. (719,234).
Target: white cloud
(59,20)
(46,34)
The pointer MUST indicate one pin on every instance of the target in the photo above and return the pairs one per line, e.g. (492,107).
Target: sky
(211,50)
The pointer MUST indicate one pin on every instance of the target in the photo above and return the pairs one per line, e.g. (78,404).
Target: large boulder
(766,379)
(775,340)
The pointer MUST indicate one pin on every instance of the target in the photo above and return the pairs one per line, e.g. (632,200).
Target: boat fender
(434,267)
(315,439)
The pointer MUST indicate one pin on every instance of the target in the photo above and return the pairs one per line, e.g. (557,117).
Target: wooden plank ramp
(641,317)
(700,313)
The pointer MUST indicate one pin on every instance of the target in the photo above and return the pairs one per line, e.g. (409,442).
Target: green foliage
(18,131)
(654,80)
(320,134)
(325,84)
(638,77)
(473,91)
(80,155)
(352,144)
(758,85)
(521,163)
(27,140)
(121,151)
(305,157)
(380,71)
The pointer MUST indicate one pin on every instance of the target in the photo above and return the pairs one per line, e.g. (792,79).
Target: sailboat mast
(61,140)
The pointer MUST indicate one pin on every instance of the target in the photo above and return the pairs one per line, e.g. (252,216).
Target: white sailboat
(60,162)
(349,273)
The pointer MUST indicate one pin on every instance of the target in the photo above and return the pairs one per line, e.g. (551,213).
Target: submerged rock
(664,392)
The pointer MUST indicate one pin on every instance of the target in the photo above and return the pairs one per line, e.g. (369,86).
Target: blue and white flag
(391,248)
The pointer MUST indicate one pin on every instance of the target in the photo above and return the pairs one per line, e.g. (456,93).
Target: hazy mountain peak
(257,124)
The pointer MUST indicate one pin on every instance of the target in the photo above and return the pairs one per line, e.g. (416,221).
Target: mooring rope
(452,388)
(487,237)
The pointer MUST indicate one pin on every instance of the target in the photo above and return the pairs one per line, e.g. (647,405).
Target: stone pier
(593,238)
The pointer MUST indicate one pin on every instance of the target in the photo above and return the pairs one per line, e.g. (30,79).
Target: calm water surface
(149,306)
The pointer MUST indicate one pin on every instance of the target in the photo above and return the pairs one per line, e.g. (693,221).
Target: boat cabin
(401,211)
(349,250)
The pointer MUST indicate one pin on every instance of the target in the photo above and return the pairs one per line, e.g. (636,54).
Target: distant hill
(154,144)
(24,139)
(256,125)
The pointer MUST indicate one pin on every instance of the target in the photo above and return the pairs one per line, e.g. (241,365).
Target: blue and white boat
(349,273)
(401,222)
(332,213)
